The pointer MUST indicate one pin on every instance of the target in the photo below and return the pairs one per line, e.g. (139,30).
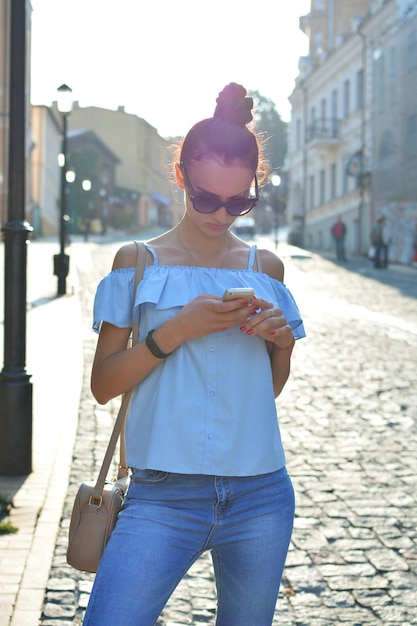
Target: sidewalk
(55,362)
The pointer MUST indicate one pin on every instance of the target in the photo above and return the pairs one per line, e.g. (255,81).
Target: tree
(273,129)
(84,203)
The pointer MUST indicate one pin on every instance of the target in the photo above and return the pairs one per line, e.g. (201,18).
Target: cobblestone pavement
(348,417)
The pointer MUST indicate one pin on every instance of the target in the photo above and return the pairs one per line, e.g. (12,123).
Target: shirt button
(212,394)
(211,350)
(210,437)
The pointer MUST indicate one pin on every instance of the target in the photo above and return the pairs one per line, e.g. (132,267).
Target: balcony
(324,133)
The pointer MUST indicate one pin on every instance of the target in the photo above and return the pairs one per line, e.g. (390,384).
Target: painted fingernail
(249,332)
(243,329)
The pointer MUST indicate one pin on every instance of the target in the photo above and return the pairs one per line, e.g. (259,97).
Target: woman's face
(224,182)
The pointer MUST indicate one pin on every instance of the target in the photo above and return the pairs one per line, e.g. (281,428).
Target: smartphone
(244,293)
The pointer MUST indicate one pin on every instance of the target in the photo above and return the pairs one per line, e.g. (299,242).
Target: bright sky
(165,60)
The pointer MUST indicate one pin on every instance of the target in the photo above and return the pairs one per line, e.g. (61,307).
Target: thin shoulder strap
(117,428)
(254,261)
(258,262)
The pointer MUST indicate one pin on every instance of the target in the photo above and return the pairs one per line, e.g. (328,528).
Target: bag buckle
(94,501)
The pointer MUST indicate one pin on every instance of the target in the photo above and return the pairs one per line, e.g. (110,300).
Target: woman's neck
(197,241)
(201,249)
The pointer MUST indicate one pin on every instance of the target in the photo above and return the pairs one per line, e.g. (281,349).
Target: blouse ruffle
(170,287)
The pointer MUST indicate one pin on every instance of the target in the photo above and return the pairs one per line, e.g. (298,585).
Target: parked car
(245,226)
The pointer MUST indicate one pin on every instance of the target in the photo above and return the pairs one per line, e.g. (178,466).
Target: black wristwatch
(153,346)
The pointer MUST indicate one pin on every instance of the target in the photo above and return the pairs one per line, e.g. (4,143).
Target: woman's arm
(117,367)
(280,356)
(280,363)
(271,325)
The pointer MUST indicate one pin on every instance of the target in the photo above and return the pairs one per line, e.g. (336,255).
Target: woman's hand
(270,324)
(207,314)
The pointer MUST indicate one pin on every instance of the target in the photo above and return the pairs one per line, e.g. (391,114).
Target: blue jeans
(169,520)
(340,248)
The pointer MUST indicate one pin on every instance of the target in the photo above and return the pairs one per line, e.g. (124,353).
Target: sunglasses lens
(239,207)
(204,204)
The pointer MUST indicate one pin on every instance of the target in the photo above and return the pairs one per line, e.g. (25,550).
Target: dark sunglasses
(205,203)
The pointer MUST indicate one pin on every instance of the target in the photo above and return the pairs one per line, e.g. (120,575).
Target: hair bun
(234,106)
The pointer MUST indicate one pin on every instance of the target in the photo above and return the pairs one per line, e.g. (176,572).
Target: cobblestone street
(348,418)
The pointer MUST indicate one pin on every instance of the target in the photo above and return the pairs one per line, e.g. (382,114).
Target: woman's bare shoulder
(271,264)
(125,256)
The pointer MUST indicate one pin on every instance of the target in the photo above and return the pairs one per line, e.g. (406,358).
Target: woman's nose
(222,215)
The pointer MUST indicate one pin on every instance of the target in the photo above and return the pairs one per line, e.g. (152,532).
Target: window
(313,116)
(335,112)
(322,187)
(346,98)
(298,134)
(359,89)
(334,104)
(312,190)
(333,181)
(380,83)
(345,179)
(392,75)
(317,41)
(411,136)
(411,51)
(386,163)
(323,114)
(313,120)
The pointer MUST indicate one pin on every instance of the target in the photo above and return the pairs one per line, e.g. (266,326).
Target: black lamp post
(61,260)
(15,385)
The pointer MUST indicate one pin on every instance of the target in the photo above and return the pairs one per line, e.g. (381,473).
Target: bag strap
(141,253)
(117,428)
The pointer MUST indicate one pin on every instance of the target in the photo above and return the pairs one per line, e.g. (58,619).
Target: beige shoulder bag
(97,504)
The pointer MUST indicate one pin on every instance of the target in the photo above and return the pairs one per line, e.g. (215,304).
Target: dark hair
(225,135)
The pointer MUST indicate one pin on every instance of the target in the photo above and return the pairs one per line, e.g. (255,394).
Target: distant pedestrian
(339,233)
(380,239)
(202,438)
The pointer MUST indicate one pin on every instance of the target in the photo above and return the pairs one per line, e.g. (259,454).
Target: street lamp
(15,385)
(61,260)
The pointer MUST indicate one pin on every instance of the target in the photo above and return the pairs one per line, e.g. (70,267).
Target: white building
(45,172)
(353,125)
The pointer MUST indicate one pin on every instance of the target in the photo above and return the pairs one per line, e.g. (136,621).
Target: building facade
(143,155)
(120,155)
(340,141)
(44,172)
(94,201)
(394,124)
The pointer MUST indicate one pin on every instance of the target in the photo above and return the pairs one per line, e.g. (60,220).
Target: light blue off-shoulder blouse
(209,408)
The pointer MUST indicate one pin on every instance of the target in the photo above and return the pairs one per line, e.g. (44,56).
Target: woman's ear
(179,176)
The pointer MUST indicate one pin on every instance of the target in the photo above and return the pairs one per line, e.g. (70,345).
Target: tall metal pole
(61,260)
(15,385)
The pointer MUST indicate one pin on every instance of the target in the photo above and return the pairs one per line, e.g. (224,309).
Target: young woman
(202,438)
